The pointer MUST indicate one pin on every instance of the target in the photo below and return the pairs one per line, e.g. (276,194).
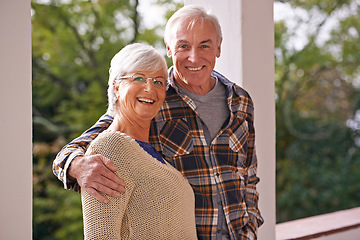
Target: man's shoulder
(240,91)
(241,102)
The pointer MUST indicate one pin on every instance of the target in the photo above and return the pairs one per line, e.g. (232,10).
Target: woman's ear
(116,88)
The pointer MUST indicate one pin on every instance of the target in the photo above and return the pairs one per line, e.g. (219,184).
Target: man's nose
(194,55)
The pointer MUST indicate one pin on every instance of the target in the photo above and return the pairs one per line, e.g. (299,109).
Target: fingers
(96,189)
(113,177)
(96,174)
(96,195)
(112,187)
(105,189)
(108,163)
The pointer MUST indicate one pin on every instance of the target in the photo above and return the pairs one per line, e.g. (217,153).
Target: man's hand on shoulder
(95,174)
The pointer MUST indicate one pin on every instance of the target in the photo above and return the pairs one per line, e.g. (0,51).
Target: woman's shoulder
(114,145)
(110,136)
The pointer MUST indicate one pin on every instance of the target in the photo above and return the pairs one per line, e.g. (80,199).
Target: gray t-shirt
(212,108)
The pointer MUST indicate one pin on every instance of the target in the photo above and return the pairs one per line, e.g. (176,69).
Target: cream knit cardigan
(158,202)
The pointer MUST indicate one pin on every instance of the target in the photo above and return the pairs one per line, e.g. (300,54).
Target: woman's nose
(149,84)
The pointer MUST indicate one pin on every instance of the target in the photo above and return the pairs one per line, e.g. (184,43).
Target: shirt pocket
(175,138)
(238,140)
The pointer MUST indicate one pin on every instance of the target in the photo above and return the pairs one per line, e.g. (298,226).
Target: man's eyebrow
(206,41)
(181,41)
(185,41)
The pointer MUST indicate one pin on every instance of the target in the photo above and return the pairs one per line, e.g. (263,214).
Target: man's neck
(200,90)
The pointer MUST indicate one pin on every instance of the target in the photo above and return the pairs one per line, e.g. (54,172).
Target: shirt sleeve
(252,195)
(76,148)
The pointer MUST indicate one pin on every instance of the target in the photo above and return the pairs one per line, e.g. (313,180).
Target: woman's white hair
(133,58)
(195,14)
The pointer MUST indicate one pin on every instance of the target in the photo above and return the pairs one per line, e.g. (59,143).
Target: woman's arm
(104,221)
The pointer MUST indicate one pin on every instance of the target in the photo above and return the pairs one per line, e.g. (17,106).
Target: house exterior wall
(15,120)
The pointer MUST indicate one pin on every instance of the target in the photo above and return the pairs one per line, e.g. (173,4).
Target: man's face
(194,52)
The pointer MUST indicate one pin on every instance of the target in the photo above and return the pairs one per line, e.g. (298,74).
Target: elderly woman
(158,202)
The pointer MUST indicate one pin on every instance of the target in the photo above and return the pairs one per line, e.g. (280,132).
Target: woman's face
(141,95)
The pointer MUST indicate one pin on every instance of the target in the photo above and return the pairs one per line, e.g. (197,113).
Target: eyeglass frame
(146,80)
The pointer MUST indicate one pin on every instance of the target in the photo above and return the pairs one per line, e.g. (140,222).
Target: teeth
(194,69)
(146,100)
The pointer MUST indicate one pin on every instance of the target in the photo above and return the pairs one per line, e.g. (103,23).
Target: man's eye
(205,46)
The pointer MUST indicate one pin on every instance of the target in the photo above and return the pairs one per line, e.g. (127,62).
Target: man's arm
(93,173)
(252,195)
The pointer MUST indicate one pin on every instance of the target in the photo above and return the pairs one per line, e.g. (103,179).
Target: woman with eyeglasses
(158,202)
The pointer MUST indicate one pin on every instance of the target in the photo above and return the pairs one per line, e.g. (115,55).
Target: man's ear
(219,49)
(168,50)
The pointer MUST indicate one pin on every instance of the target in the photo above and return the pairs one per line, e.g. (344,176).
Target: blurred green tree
(317,96)
(73,42)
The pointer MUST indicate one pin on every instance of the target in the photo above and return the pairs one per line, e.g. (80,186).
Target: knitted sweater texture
(158,202)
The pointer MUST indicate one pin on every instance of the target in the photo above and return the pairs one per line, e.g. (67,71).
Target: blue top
(150,150)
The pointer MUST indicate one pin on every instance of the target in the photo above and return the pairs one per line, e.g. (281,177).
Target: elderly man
(204,129)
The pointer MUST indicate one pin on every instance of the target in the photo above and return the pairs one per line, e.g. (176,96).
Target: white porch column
(247,58)
(15,120)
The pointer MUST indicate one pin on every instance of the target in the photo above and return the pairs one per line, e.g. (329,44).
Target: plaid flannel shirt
(223,172)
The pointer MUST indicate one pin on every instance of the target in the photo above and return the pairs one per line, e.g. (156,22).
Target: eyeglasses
(141,79)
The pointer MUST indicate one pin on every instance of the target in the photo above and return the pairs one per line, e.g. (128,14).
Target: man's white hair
(194,14)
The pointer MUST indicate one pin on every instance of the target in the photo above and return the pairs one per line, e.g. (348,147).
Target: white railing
(332,226)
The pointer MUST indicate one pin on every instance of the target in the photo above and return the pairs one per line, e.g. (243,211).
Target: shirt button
(218,231)
(220,203)
(217,174)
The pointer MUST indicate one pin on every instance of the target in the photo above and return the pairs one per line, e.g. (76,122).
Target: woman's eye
(138,79)
(158,82)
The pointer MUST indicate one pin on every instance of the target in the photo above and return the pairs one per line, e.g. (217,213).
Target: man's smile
(194,68)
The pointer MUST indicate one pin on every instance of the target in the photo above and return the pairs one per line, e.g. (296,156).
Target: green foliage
(325,6)
(56,213)
(317,93)
(72,44)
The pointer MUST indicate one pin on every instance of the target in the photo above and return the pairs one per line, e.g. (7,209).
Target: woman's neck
(137,129)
